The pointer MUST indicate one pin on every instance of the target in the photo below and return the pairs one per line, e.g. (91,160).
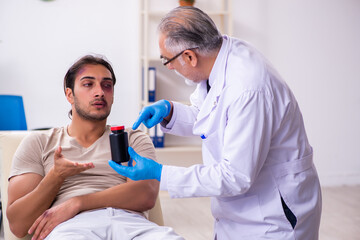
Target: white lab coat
(255,151)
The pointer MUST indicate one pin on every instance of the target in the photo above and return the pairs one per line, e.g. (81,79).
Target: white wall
(313,43)
(40,40)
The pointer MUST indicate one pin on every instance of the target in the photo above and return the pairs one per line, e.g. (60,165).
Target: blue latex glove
(153,114)
(145,168)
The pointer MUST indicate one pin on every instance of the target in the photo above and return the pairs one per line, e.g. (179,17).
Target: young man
(258,164)
(60,174)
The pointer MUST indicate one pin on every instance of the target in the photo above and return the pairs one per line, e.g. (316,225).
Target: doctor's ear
(191,58)
(69,95)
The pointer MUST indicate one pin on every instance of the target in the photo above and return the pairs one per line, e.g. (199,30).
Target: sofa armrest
(9,141)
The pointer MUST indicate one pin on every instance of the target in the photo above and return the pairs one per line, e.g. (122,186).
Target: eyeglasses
(166,61)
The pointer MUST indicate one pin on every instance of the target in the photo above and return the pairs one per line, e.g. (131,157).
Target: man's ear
(191,58)
(69,95)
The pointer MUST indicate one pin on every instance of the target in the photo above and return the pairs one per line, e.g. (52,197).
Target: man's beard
(187,81)
(87,116)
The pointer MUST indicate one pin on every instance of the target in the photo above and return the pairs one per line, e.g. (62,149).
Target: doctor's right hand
(153,114)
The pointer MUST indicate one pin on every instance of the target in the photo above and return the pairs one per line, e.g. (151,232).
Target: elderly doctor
(258,164)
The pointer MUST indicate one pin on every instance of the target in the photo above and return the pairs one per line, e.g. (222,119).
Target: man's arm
(31,194)
(134,195)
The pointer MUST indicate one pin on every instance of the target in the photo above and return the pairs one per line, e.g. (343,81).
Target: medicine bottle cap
(117,128)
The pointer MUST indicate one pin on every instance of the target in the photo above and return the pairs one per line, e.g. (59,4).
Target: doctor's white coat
(255,151)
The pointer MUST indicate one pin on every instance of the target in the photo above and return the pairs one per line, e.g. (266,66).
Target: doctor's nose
(170,66)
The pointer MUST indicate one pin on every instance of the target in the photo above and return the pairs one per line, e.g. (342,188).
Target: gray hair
(189,27)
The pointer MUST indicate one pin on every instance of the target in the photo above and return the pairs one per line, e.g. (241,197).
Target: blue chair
(12,113)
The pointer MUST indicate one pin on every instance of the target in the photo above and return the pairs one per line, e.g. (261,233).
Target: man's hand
(52,217)
(65,168)
(144,169)
(153,114)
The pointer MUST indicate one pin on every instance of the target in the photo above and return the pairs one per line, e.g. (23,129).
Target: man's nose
(98,91)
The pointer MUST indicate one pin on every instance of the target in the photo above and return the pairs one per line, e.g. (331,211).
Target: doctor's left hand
(144,169)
